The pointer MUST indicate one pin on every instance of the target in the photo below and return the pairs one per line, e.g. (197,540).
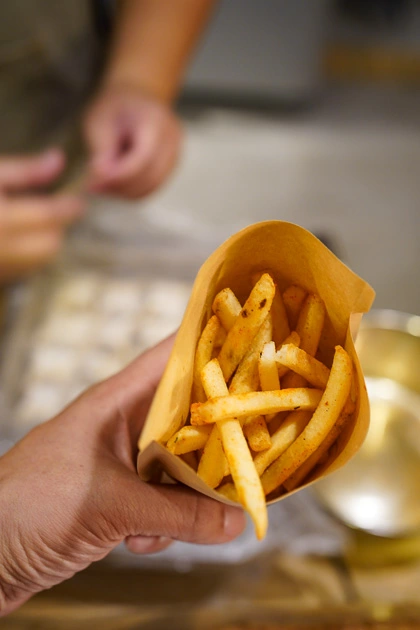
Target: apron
(50,58)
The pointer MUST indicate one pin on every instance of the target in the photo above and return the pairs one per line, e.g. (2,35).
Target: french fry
(253,404)
(326,415)
(213,464)
(292,338)
(309,328)
(190,459)
(227,308)
(307,467)
(246,377)
(310,323)
(299,361)
(267,368)
(189,439)
(281,439)
(257,434)
(268,372)
(281,328)
(246,326)
(241,465)
(204,354)
(293,298)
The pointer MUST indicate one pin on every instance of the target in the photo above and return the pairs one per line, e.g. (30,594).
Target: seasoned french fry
(312,370)
(190,459)
(254,404)
(189,439)
(268,372)
(246,326)
(246,376)
(292,338)
(204,354)
(281,327)
(228,490)
(322,421)
(281,439)
(310,323)
(257,434)
(267,368)
(213,464)
(227,308)
(293,298)
(241,465)
(303,471)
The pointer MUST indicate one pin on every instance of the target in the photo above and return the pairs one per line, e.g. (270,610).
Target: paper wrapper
(293,256)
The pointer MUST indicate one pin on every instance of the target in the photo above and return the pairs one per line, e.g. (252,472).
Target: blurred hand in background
(32,222)
(134,142)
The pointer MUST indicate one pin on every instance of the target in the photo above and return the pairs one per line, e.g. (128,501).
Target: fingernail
(234,522)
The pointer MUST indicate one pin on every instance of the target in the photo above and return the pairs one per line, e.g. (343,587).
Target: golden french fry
(204,354)
(303,471)
(268,371)
(293,298)
(310,323)
(322,421)
(241,465)
(257,434)
(299,361)
(246,377)
(267,368)
(189,439)
(228,490)
(282,438)
(190,459)
(292,338)
(213,464)
(281,327)
(254,404)
(246,326)
(227,308)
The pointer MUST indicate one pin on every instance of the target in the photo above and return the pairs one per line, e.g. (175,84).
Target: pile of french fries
(265,411)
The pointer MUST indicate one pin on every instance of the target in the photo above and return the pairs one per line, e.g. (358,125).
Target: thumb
(103,137)
(176,513)
(19,173)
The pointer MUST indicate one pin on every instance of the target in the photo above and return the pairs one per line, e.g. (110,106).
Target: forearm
(153,41)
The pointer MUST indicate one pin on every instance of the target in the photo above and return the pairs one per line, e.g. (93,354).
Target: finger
(23,253)
(135,144)
(18,173)
(145,177)
(174,512)
(104,133)
(40,212)
(149,179)
(143,544)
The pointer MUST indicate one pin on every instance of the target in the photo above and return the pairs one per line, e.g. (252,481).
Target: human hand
(32,226)
(134,142)
(69,491)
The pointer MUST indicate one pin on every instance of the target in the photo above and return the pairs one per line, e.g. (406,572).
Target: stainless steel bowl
(378,491)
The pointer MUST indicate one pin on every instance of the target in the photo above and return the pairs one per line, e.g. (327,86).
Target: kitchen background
(300,110)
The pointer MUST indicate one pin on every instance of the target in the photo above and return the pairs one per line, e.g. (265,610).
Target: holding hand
(134,141)
(32,225)
(69,491)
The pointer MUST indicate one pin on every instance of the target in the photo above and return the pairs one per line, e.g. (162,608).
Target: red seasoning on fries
(276,390)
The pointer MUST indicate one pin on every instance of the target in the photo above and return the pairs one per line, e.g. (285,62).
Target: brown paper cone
(293,256)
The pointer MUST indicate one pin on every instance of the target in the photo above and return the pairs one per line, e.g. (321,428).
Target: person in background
(69,490)
(109,69)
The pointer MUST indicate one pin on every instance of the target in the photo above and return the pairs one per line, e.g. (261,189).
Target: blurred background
(301,110)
